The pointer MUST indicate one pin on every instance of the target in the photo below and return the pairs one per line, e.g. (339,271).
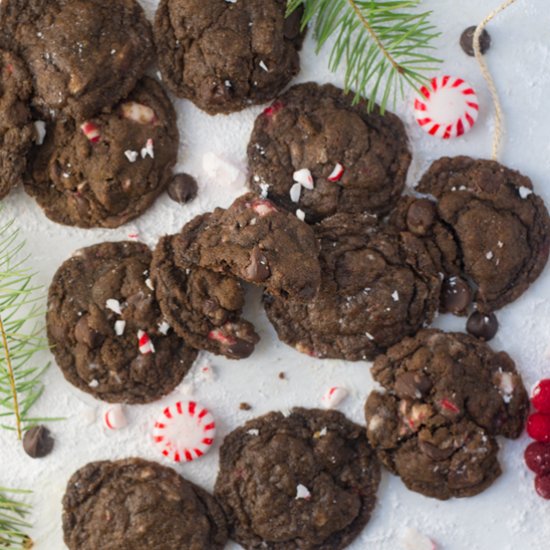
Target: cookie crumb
(245,407)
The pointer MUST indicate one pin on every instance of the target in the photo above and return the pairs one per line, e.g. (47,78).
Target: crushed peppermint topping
(253,431)
(164,327)
(369,335)
(506,386)
(489,255)
(295,192)
(264,66)
(149,284)
(337,173)
(119,327)
(302,492)
(300,214)
(131,155)
(148,149)
(40,127)
(334,396)
(113,305)
(94,383)
(304,178)
(265,190)
(524,192)
(144,342)
(500,244)
(395,296)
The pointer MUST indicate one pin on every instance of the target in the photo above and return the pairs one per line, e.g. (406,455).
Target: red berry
(537,458)
(538,427)
(542,486)
(541,396)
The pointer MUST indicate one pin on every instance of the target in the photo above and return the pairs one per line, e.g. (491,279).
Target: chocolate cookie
(225,56)
(377,287)
(16,128)
(501,228)
(448,396)
(203,306)
(83,55)
(141,505)
(106,330)
(107,170)
(358,161)
(307,480)
(255,241)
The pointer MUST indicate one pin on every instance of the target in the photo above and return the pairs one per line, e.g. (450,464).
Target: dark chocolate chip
(482,326)
(467,41)
(38,442)
(412,384)
(434,452)
(183,188)
(86,335)
(258,269)
(240,349)
(421,216)
(456,296)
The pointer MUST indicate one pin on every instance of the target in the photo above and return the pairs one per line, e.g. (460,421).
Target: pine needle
(20,334)
(382,45)
(13,524)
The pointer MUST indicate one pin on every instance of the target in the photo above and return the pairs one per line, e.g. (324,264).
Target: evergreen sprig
(382,44)
(20,334)
(13,524)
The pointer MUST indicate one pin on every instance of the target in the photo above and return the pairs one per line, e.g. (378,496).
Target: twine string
(497,137)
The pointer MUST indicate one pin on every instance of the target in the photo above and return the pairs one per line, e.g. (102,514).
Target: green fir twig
(13,523)
(20,334)
(382,45)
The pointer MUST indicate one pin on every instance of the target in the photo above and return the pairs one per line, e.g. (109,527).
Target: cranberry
(538,427)
(537,458)
(542,486)
(541,396)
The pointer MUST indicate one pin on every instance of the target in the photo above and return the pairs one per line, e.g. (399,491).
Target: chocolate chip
(38,442)
(245,407)
(456,296)
(467,41)
(183,188)
(421,216)
(240,349)
(282,376)
(412,384)
(258,269)
(86,335)
(482,326)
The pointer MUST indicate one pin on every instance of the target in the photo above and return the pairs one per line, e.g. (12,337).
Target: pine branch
(20,334)
(12,520)
(382,45)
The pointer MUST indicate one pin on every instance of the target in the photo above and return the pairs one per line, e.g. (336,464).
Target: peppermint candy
(334,396)
(114,418)
(144,342)
(447,108)
(185,431)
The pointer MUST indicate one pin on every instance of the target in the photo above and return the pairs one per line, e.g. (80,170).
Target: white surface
(508,515)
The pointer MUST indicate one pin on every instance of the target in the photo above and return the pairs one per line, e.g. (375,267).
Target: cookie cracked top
(307,480)
(447,397)
(225,56)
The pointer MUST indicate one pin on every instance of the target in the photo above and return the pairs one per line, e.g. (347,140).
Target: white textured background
(508,515)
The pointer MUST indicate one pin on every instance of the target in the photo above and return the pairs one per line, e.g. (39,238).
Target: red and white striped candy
(447,108)
(334,396)
(114,418)
(145,344)
(91,131)
(185,431)
(337,173)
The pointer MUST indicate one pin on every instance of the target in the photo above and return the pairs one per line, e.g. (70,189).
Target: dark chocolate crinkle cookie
(358,161)
(501,228)
(203,306)
(16,128)
(142,505)
(308,480)
(83,55)
(106,330)
(108,170)
(447,396)
(255,241)
(377,287)
(225,56)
